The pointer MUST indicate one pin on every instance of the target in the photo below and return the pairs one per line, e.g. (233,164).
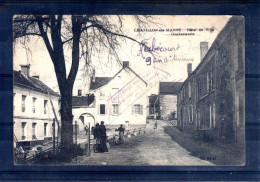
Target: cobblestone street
(151,148)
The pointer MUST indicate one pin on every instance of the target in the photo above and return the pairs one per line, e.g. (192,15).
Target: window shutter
(132,109)
(98,109)
(141,109)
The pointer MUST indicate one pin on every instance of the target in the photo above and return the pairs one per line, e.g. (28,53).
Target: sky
(172,51)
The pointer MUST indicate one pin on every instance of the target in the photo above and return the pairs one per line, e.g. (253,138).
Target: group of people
(100,134)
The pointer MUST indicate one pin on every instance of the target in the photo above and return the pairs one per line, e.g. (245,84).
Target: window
(198,118)
(115,109)
(23,130)
(183,93)
(33,108)
(198,89)
(45,106)
(102,109)
(195,89)
(137,109)
(33,130)
(23,103)
(212,115)
(224,56)
(45,129)
(190,110)
(210,80)
(189,89)
(79,92)
(217,56)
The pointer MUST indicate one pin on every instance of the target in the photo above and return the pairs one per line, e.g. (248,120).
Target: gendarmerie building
(211,101)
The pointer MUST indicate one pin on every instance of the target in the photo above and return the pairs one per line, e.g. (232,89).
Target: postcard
(131,90)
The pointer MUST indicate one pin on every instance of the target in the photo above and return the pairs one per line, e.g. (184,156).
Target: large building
(167,99)
(120,99)
(211,101)
(33,112)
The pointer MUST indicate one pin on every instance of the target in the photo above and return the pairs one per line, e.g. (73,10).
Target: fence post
(76,140)
(89,139)
(53,137)
(76,132)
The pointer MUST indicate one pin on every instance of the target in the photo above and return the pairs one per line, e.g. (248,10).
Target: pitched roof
(32,83)
(169,87)
(101,81)
(79,101)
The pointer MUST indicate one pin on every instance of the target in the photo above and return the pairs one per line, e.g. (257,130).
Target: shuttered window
(137,109)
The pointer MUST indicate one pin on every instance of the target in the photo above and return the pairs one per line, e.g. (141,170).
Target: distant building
(211,100)
(33,113)
(167,99)
(153,106)
(120,99)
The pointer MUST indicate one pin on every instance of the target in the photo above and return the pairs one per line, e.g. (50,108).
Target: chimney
(203,49)
(189,69)
(93,75)
(36,76)
(25,70)
(125,64)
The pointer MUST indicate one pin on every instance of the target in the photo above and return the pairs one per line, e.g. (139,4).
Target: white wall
(29,117)
(131,90)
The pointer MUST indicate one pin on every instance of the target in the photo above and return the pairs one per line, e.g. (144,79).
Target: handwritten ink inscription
(151,54)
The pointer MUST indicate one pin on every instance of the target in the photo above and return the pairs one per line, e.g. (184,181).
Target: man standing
(103,137)
(121,134)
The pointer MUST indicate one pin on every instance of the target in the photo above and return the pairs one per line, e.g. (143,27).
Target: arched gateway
(84,119)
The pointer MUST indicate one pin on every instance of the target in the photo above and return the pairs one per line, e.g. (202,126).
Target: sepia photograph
(129,90)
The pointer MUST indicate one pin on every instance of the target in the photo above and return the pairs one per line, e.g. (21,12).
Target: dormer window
(79,92)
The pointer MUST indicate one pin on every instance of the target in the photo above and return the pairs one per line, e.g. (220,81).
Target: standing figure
(121,134)
(86,129)
(97,136)
(103,134)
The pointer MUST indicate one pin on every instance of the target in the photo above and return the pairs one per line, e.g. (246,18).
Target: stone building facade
(167,99)
(211,101)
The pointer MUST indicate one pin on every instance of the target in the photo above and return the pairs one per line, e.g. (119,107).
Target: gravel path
(152,148)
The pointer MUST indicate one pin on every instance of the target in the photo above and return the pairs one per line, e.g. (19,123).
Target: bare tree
(85,36)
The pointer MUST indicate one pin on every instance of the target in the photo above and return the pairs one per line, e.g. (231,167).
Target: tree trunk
(67,120)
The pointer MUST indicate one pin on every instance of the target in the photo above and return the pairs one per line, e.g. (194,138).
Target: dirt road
(152,148)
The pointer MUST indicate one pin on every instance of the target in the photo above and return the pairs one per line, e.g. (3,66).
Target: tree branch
(45,37)
(25,34)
